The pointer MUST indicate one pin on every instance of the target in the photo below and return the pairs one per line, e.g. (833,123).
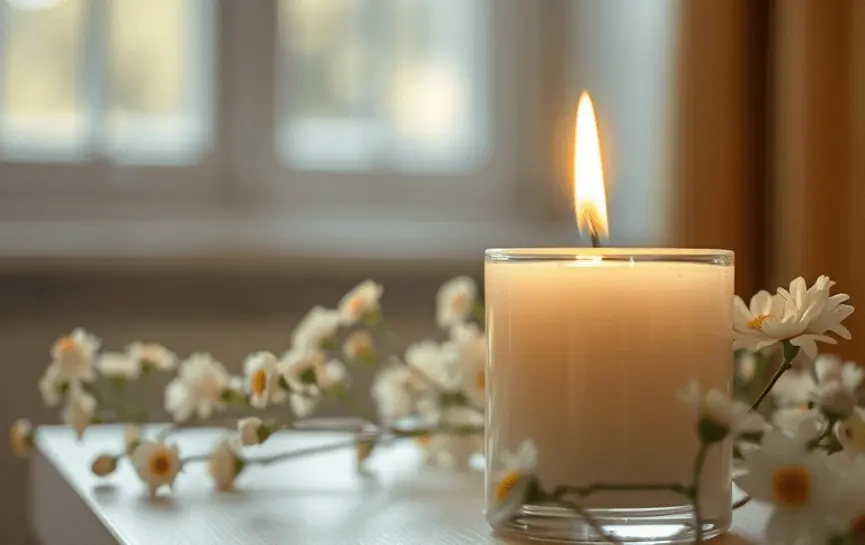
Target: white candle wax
(586,359)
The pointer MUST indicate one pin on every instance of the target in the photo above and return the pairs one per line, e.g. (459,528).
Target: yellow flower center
(423,440)
(481,380)
(160,464)
(259,381)
(355,305)
(65,344)
(507,484)
(791,486)
(756,323)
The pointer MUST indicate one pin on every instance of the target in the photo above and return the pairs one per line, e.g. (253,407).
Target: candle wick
(596,240)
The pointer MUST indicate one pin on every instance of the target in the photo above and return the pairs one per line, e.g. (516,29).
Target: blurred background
(201,172)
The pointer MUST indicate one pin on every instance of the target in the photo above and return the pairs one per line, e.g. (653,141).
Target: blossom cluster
(434,393)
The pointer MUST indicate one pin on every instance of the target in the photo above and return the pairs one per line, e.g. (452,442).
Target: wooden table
(318,500)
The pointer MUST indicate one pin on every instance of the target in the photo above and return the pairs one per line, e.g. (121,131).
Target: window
(126,80)
(383,84)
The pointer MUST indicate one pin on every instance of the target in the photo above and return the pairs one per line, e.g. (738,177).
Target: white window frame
(242,198)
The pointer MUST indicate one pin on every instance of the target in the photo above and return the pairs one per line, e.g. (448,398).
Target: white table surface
(317,500)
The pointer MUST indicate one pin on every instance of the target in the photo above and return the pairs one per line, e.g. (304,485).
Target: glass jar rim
(695,255)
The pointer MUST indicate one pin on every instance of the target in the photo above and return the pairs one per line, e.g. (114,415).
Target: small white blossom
(468,353)
(363,300)
(156,464)
(50,386)
(833,390)
(224,465)
(131,438)
(118,365)
(197,389)
(262,380)
(851,433)
(512,484)
(299,368)
(359,345)
(73,356)
(21,437)
(104,465)
(79,410)
(394,391)
(454,301)
(252,431)
(718,415)
(302,405)
(319,325)
(796,482)
(847,519)
(330,373)
(835,401)
(152,356)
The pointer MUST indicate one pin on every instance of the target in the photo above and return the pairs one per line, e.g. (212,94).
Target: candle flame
(589,198)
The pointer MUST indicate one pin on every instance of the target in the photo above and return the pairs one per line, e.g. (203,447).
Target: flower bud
(21,437)
(253,431)
(835,401)
(104,465)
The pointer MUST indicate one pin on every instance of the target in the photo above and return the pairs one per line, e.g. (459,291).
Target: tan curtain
(771,141)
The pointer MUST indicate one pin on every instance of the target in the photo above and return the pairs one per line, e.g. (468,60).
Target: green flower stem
(790,352)
(742,503)
(699,461)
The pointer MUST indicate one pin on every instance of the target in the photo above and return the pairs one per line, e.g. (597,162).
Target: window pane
(157,102)
(383,83)
(42,114)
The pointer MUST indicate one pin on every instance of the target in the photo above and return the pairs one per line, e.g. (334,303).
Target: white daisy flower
(359,345)
(318,326)
(820,312)
(299,367)
(224,465)
(51,387)
(131,438)
(79,410)
(118,365)
(302,405)
(718,415)
(798,483)
(395,391)
(454,301)
(21,437)
(468,352)
(156,464)
(262,380)
(833,391)
(197,389)
(252,431)
(435,363)
(152,356)
(851,433)
(847,519)
(363,300)
(329,374)
(104,465)
(73,356)
(513,484)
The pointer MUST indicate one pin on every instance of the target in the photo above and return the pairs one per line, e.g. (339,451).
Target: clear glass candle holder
(588,349)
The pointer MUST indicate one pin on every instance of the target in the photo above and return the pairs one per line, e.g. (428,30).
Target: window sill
(250,243)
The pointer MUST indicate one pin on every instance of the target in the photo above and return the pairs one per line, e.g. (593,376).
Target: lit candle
(588,347)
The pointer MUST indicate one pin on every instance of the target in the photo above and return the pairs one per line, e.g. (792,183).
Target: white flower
(835,401)
(302,404)
(718,415)
(359,345)
(361,301)
(252,431)
(262,379)
(512,485)
(746,366)
(821,312)
(847,520)
(395,391)
(104,465)
(152,356)
(851,433)
(73,356)
(454,301)
(435,363)
(468,351)
(131,438)
(79,410)
(299,368)
(833,390)
(798,483)
(329,374)
(156,464)
(118,365)
(197,389)
(51,387)
(319,325)
(21,437)
(224,465)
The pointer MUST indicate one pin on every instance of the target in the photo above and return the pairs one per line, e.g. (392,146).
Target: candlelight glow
(589,198)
